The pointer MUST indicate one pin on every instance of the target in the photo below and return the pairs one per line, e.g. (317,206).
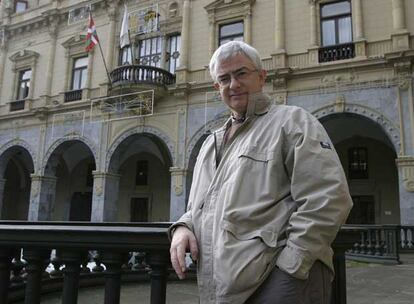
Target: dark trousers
(282,288)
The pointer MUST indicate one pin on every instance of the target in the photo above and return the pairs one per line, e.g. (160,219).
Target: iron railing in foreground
(112,242)
(381,243)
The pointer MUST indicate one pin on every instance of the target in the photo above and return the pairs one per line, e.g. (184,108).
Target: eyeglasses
(240,75)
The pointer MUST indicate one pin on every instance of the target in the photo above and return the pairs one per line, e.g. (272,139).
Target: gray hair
(230,49)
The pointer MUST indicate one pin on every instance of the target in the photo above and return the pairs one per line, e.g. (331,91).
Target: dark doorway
(81,206)
(363,211)
(139,209)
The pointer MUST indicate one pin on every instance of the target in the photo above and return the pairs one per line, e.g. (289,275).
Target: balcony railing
(73,95)
(111,243)
(135,74)
(337,52)
(17,105)
(381,243)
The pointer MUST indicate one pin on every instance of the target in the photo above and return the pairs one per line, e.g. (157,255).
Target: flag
(124,35)
(92,36)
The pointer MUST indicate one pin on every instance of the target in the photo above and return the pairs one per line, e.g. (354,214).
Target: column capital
(406,165)
(99,174)
(35,177)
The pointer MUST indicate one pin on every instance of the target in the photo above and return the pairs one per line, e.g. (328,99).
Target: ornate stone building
(79,144)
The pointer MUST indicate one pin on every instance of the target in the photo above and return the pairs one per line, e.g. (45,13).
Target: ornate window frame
(24,60)
(222,12)
(74,49)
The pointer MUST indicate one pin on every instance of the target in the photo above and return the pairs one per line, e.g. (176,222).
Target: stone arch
(390,129)
(213,124)
(16,143)
(60,141)
(152,131)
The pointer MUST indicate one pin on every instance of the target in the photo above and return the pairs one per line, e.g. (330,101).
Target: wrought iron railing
(134,74)
(381,243)
(17,105)
(336,52)
(110,243)
(73,95)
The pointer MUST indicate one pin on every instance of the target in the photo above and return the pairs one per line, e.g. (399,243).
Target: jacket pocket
(243,233)
(254,155)
(243,260)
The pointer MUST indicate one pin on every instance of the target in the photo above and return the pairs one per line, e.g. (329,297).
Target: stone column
(400,36)
(110,47)
(212,35)
(279,25)
(3,56)
(2,185)
(86,90)
(313,34)
(279,56)
(248,27)
(406,188)
(398,15)
(177,201)
(51,57)
(42,197)
(185,35)
(182,71)
(105,196)
(66,82)
(359,40)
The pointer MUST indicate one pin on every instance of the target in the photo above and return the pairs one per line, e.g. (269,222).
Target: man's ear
(216,86)
(263,75)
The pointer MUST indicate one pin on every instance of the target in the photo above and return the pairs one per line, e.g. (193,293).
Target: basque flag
(92,36)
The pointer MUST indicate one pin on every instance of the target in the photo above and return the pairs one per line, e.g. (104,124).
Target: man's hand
(182,240)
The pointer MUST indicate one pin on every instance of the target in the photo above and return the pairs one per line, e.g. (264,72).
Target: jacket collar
(259,104)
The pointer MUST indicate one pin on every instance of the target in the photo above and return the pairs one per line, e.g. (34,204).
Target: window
(142,173)
(358,163)
(20,6)
(125,55)
(336,25)
(231,32)
(24,84)
(80,68)
(150,52)
(363,211)
(173,54)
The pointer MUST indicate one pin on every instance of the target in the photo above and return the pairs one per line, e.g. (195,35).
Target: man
(267,199)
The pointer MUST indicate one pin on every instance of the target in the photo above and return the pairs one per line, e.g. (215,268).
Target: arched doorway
(368,158)
(143,162)
(16,165)
(71,163)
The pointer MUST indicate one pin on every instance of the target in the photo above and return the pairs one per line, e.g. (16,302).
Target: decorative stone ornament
(406,165)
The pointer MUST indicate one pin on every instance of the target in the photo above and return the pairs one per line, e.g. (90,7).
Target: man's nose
(234,82)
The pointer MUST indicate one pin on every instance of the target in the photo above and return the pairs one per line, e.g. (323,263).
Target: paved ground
(367,284)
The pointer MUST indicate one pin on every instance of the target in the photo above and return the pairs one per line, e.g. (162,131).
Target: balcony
(336,52)
(111,243)
(130,78)
(74,95)
(17,105)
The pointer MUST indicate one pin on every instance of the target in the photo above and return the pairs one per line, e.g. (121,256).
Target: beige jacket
(278,197)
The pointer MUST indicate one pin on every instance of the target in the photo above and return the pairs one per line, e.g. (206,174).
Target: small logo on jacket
(325,145)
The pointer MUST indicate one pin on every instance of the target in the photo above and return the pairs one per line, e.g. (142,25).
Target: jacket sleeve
(320,190)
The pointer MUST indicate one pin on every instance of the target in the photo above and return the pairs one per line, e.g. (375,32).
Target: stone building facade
(79,144)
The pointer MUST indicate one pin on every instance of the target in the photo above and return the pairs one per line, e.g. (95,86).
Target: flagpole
(94,42)
(106,68)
